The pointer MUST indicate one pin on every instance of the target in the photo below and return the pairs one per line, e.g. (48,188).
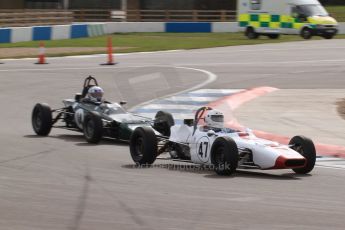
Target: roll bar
(198,115)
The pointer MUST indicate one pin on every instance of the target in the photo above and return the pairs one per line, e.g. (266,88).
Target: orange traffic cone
(42,54)
(110,52)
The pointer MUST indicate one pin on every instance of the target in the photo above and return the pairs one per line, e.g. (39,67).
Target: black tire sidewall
(46,119)
(251,34)
(230,158)
(97,132)
(306,33)
(309,153)
(328,36)
(149,146)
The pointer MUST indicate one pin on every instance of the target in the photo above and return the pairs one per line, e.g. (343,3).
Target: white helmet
(95,93)
(214,119)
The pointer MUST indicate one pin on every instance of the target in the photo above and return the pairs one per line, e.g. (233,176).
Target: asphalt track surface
(60,182)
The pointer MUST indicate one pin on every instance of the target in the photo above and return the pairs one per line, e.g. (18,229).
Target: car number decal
(203,149)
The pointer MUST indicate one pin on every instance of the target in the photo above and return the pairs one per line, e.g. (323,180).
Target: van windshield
(311,10)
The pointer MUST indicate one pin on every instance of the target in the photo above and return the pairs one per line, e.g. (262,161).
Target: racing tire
(273,36)
(224,156)
(93,127)
(163,122)
(306,148)
(251,34)
(41,119)
(328,36)
(143,146)
(307,33)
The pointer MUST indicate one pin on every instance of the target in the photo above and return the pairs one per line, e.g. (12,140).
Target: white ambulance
(274,17)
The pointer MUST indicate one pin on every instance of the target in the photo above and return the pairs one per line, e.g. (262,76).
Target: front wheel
(251,34)
(307,33)
(224,156)
(41,119)
(306,148)
(143,146)
(93,128)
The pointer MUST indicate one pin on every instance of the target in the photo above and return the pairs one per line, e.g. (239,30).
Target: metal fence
(34,17)
(54,17)
(164,15)
(154,15)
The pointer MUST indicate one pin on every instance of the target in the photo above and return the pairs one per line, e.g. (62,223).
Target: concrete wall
(37,33)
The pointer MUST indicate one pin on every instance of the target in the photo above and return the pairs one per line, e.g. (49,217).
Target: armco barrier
(20,34)
(5,35)
(193,27)
(134,27)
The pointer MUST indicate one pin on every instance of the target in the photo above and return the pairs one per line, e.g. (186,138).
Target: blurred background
(130,4)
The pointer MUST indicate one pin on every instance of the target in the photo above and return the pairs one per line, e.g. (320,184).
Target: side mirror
(211,133)
(123,103)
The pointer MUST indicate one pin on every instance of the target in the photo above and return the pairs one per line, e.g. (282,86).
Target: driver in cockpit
(214,120)
(94,95)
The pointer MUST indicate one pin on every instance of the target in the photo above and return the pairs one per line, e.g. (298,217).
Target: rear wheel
(143,146)
(328,36)
(163,122)
(41,119)
(224,156)
(251,34)
(93,128)
(306,33)
(306,148)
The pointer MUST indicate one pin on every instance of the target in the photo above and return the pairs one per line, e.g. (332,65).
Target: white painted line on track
(289,49)
(172,66)
(211,77)
(330,167)
(331,163)
(264,63)
(98,67)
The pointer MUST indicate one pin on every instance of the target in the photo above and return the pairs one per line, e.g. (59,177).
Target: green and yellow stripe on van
(281,21)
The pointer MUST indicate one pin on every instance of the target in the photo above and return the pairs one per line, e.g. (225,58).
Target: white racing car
(224,149)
